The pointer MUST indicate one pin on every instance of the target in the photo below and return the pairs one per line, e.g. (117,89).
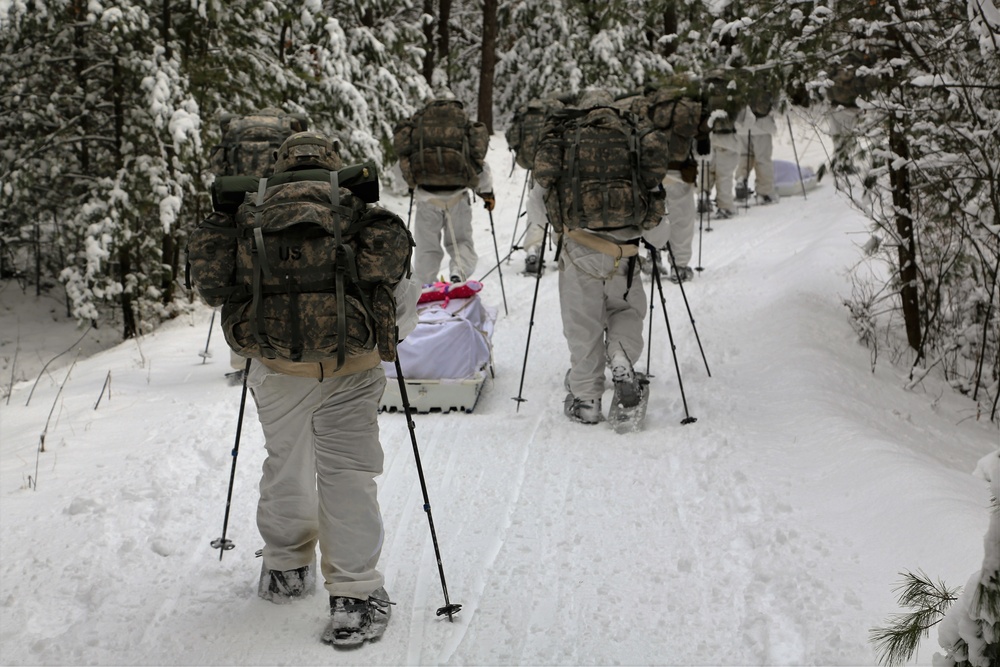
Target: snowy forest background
(110,110)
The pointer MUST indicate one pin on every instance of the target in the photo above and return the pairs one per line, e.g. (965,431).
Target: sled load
(786,178)
(446,358)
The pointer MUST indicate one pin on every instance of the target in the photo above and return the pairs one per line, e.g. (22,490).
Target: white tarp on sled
(786,178)
(445,360)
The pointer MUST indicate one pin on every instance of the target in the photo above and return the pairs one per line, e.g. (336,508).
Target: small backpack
(305,269)
(599,168)
(249,142)
(848,85)
(761,101)
(440,147)
(525,129)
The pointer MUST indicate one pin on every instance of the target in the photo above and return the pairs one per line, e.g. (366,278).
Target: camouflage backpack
(724,103)
(302,264)
(249,142)
(675,110)
(848,85)
(599,169)
(526,127)
(440,147)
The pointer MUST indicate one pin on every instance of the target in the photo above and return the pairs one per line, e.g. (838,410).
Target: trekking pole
(531,318)
(649,335)
(206,354)
(495,267)
(688,419)
(795,152)
(409,211)
(746,177)
(496,251)
(222,544)
(449,608)
(680,283)
(701,215)
(517,218)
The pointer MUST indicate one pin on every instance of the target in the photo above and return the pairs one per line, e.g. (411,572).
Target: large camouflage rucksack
(440,147)
(302,265)
(526,127)
(599,169)
(677,111)
(724,102)
(249,142)
(759,90)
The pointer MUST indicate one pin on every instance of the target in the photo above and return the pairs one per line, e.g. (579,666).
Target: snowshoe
(583,411)
(533,265)
(354,621)
(629,418)
(235,378)
(282,587)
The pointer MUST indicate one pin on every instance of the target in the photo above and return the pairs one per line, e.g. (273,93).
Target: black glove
(703,145)
(489,201)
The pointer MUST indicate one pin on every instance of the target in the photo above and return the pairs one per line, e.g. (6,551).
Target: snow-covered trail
(768,532)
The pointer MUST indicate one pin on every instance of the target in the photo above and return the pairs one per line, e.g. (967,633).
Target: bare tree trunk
(130,328)
(429,51)
(670,27)
(899,180)
(488,64)
(169,258)
(444,37)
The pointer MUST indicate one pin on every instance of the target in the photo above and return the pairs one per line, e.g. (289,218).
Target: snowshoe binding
(354,621)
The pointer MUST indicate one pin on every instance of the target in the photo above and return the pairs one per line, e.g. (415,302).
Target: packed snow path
(770,531)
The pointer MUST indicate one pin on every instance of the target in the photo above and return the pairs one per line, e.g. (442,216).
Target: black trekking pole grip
(222,544)
(449,608)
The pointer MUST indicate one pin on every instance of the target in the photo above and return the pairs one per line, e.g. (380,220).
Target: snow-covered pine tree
(105,159)
(970,631)
(918,156)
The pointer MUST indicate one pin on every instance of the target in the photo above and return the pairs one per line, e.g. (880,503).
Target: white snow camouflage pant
(681,215)
(321,434)
(443,218)
(601,314)
(756,157)
(537,218)
(725,155)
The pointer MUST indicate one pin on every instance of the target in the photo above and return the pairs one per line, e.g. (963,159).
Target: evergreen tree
(921,163)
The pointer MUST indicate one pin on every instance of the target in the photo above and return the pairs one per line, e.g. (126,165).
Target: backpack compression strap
(344,265)
(634,157)
(260,270)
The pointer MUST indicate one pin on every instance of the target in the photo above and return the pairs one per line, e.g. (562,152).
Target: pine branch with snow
(970,632)
(896,643)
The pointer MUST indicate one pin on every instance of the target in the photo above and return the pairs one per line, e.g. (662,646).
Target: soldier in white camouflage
(318,484)
(601,198)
